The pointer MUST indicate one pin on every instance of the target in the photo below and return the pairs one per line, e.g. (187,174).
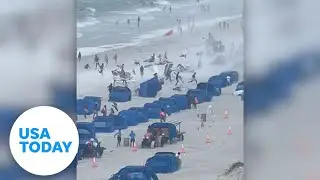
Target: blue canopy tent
(171,102)
(104,124)
(82,103)
(209,88)
(134,115)
(96,100)
(86,131)
(163,163)
(119,122)
(130,117)
(141,110)
(181,101)
(168,106)
(135,173)
(120,94)
(234,76)
(150,88)
(200,94)
(153,110)
(218,81)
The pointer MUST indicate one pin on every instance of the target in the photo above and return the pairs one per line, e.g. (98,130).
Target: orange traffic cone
(229,131)
(226,115)
(182,149)
(208,139)
(94,162)
(134,148)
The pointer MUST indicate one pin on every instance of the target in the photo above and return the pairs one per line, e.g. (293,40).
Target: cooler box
(125,141)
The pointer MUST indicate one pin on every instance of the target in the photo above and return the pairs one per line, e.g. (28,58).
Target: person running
(112,113)
(79,56)
(110,87)
(115,105)
(178,78)
(132,138)
(104,110)
(118,134)
(115,58)
(96,60)
(193,78)
(101,68)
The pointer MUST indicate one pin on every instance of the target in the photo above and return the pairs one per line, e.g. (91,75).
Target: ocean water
(102,24)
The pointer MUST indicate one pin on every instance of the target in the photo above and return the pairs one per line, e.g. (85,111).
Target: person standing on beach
(115,58)
(106,59)
(79,56)
(118,134)
(170,9)
(139,21)
(141,71)
(96,60)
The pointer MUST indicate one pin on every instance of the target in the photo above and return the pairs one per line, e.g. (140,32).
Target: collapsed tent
(201,95)
(163,163)
(218,81)
(181,101)
(85,103)
(104,124)
(153,110)
(150,88)
(96,100)
(209,88)
(234,76)
(120,94)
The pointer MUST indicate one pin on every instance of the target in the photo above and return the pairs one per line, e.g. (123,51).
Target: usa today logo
(44,140)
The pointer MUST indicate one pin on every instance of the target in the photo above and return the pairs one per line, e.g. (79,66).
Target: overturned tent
(234,76)
(96,100)
(150,88)
(104,124)
(209,88)
(153,110)
(163,163)
(181,101)
(85,103)
(201,95)
(218,81)
(120,94)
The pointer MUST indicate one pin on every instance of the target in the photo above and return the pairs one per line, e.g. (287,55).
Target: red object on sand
(169,33)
